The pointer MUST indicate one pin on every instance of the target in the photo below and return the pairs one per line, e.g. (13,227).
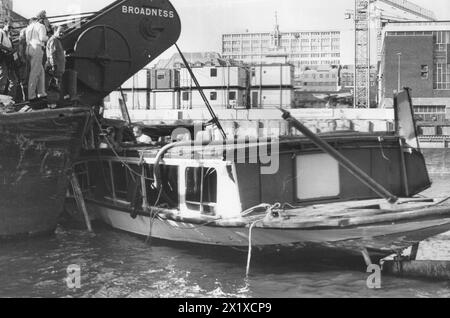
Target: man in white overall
(36,36)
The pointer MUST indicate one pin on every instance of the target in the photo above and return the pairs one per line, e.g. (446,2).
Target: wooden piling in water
(78,194)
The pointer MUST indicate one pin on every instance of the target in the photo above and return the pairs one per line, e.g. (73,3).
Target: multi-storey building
(302,48)
(318,79)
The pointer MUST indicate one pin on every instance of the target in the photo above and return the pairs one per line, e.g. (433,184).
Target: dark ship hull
(37,150)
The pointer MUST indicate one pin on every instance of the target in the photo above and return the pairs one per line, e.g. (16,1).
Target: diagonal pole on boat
(124,108)
(214,117)
(341,159)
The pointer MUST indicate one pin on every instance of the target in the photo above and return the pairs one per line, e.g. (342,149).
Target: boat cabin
(225,180)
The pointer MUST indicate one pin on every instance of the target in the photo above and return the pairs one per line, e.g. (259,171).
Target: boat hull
(37,150)
(382,240)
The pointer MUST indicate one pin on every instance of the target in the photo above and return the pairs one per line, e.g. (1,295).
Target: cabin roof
(237,149)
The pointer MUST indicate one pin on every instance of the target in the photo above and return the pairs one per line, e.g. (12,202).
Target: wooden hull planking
(37,150)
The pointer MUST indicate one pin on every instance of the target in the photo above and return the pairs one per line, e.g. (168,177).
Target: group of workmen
(33,65)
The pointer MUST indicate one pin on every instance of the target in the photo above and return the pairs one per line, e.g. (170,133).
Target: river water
(115,264)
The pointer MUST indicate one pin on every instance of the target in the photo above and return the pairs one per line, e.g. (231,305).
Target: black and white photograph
(239,151)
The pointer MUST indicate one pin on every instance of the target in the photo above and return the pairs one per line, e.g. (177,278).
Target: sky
(204,21)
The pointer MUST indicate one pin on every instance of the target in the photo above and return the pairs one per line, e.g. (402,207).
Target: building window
(185,96)
(441,78)
(232,96)
(213,96)
(430,113)
(213,72)
(424,72)
(201,189)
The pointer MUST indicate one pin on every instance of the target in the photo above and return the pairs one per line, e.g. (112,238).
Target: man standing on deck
(56,59)
(8,78)
(36,36)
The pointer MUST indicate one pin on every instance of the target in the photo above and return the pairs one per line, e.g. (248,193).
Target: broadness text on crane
(148,12)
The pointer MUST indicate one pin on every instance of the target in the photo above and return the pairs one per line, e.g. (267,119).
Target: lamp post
(399,87)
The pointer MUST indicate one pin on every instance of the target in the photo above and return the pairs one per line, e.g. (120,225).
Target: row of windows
(440,37)
(319,83)
(284,41)
(267,46)
(295,35)
(212,96)
(292,57)
(120,183)
(314,76)
(429,109)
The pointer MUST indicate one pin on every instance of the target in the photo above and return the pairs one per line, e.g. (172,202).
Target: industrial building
(318,79)
(417,55)
(226,85)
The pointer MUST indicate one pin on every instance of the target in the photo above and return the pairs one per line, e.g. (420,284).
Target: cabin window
(213,72)
(213,96)
(127,182)
(168,196)
(99,179)
(232,95)
(201,189)
(185,96)
(161,76)
(120,180)
(106,189)
(317,177)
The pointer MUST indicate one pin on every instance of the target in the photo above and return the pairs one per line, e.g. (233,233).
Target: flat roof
(418,26)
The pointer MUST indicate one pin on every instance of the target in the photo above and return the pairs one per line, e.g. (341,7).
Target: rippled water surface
(115,264)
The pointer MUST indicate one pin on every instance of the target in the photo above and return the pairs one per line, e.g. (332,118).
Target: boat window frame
(201,204)
(113,188)
(295,184)
(148,173)
(116,199)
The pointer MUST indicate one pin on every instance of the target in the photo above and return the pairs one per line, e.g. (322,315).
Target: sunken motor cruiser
(41,138)
(348,191)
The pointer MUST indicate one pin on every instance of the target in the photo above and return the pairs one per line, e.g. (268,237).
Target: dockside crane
(366,12)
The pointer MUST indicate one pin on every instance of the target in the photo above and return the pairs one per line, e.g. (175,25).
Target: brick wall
(416,51)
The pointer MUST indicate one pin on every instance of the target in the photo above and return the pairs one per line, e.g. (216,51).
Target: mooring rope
(249,255)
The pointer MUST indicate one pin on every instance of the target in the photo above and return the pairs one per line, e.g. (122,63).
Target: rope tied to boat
(380,140)
(268,215)
(249,255)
